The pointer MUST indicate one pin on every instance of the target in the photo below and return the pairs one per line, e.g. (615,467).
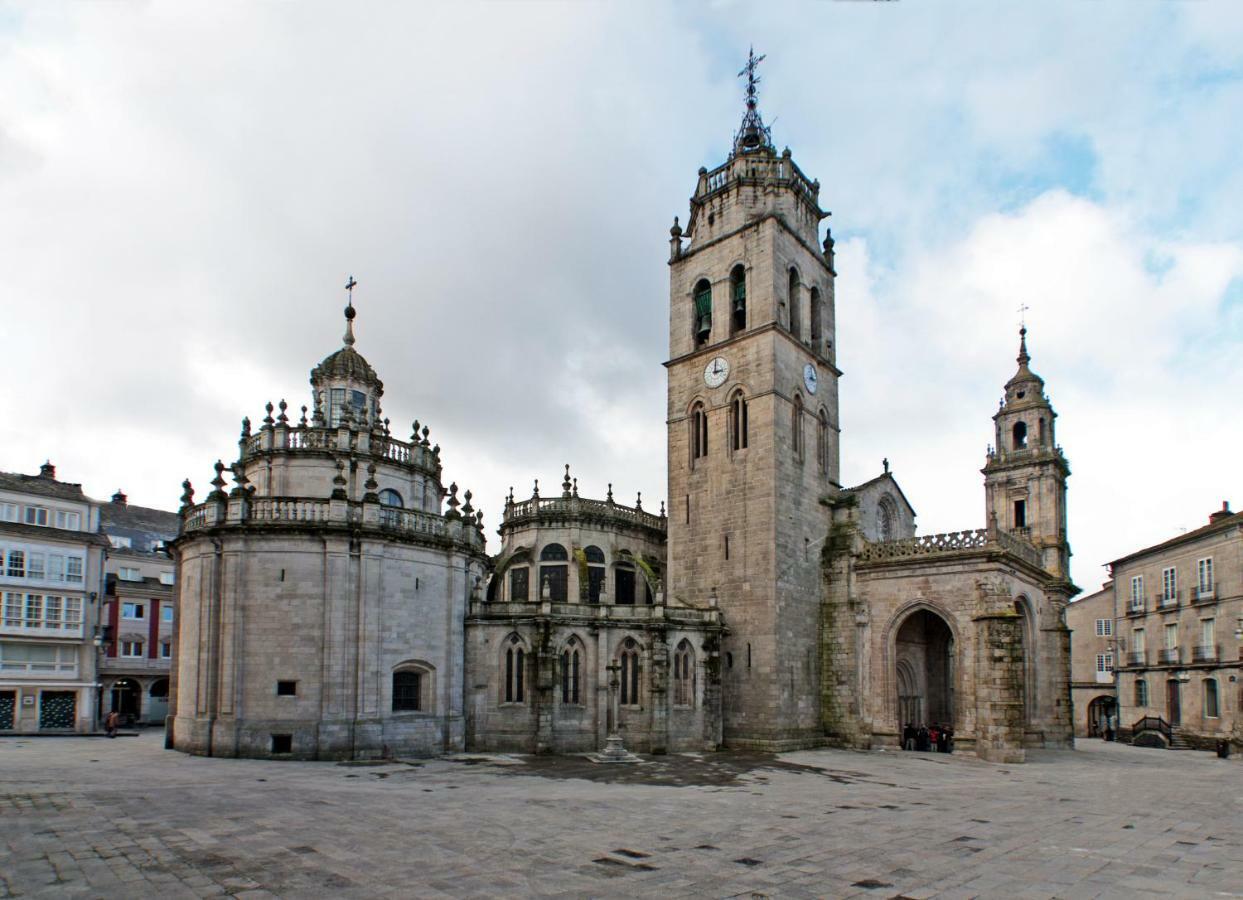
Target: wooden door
(1172,706)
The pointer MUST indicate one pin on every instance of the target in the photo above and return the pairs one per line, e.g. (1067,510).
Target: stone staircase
(1177,741)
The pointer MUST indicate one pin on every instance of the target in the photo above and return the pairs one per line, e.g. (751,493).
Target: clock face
(810,378)
(716,371)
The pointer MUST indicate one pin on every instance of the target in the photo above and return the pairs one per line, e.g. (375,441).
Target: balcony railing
(1165,600)
(1170,656)
(1136,608)
(1205,653)
(1137,658)
(951,542)
(1204,594)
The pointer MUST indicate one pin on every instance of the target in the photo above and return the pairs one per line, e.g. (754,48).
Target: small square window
(133,611)
(286,688)
(282,743)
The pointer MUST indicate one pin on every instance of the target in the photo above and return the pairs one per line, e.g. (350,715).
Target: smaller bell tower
(1025,476)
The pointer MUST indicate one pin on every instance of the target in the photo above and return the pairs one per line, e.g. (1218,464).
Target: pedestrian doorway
(126,699)
(1099,711)
(924,671)
(157,700)
(1173,702)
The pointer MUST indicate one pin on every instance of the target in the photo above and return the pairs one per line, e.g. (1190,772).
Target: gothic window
(796,427)
(884,519)
(554,577)
(822,442)
(571,672)
(515,675)
(519,588)
(629,659)
(699,432)
(738,300)
(684,675)
(703,312)
(389,497)
(815,319)
(595,573)
(795,314)
(623,583)
(1020,436)
(407,690)
(738,421)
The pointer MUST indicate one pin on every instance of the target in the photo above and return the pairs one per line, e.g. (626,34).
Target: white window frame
(35,515)
(1137,592)
(10,512)
(168,578)
(1204,574)
(139,609)
(1208,632)
(74,573)
(1171,636)
(1137,641)
(129,573)
(167,615)
(127,648)
(1169,584)
(68,520)
(1104,627)
(1104,662)
(166,649)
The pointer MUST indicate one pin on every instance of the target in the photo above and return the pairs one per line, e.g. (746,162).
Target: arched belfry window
(738,421)
(554,573)
(1040,438)
(571,672)
(738,299)
(629,660)
(815,319)
(822,442)
(796,427)
(703,312)
(796,318)
(595,573)
(699,432)
(1020,436)
(684,675)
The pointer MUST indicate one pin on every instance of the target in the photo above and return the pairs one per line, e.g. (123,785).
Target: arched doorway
(1099,711)
(157,700)
(126,699)
(924,670)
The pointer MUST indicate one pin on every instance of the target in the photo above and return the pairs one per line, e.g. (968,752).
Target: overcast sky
(185,188)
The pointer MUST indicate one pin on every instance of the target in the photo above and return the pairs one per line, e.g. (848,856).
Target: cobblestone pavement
(126,818)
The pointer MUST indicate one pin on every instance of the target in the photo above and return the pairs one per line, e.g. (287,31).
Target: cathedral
(338,600)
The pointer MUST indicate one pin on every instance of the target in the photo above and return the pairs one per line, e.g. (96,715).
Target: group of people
(928,738)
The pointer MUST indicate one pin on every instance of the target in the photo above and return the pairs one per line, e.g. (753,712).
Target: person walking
(111,723)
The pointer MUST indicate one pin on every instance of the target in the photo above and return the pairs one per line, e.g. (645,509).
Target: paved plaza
(126,818)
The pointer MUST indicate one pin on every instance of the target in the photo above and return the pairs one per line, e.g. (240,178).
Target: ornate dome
(347,363)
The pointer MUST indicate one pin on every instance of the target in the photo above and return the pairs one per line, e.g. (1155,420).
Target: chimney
(48,471)
(119,498)
(1221,513)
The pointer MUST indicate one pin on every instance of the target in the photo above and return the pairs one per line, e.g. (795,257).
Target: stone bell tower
(753,427)
(1025,476)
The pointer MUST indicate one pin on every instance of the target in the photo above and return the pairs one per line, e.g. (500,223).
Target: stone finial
(829,254)
(386,431)
(436,453)
(218,482)
(1023,358)
(245,427)
(574,490)
(187,494)
(638,501)
(317,412)
(371,484)
(535,490)
(268,421)
(426,431)
(509,501)
(302,421)
(453,503)
(676,230)
(283,418)
(339,482)
(467,510)
(414,434)
(479,520)
(662,509)
(565,482)
(240,481)
(675,240)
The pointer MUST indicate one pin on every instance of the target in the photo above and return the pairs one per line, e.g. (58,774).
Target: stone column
(999,687)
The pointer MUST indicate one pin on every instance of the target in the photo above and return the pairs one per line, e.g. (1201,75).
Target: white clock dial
(810,378)
(716,371)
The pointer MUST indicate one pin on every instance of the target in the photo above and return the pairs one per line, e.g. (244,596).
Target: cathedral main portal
(925,670)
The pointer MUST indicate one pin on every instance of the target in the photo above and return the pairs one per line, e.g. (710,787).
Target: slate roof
(144,526)
(1222,524)
(44,487)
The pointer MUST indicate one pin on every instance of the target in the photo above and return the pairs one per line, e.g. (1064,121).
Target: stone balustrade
(298,511)
(757,168)
(294,438)
(569,508)
(951,542)
(638,614)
